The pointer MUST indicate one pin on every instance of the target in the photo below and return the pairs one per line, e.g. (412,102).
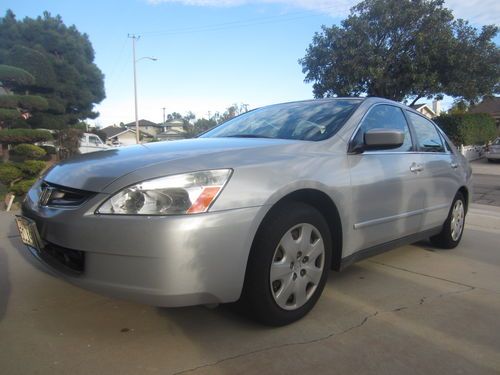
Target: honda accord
(256,210)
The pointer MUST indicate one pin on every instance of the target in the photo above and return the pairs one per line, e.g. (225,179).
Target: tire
(453,227)
(288,265)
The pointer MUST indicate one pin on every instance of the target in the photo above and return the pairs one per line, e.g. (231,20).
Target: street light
(134,38)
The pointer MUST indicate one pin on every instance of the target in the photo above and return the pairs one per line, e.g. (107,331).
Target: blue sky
(211,53)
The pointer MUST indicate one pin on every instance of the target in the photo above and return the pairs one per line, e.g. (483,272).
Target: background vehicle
(493,151)
(90,143)
(258,209)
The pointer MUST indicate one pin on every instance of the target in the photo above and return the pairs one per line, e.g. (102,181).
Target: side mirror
(383,139)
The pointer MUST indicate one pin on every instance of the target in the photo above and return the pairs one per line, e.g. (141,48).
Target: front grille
(64,259)
(61,196)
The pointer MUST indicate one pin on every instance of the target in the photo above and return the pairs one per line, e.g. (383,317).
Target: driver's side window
(385,117)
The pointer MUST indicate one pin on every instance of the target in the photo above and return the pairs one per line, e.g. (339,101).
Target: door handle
(454,165)
(415,168)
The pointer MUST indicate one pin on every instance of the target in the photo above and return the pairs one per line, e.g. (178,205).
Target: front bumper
(492,155)
(163,261)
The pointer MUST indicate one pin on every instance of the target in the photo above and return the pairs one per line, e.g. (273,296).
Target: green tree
(61,60)
(402,49)
(18,136)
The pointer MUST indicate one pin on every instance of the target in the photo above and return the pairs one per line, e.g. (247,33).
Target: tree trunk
(416,99)
(5,152)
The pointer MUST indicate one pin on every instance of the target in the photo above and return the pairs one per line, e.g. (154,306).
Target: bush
(8,173)
(49,150)
(22,187)
(28,151)
(31,168)
(14,136)
(468,128)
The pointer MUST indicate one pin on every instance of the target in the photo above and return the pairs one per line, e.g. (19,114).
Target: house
(117,135)
(426,110)
(491,106)
(172,130)
(146,126)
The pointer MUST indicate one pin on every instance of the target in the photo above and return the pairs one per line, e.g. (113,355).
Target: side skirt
(378,249)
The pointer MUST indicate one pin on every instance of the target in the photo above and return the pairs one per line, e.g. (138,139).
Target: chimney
(436,107)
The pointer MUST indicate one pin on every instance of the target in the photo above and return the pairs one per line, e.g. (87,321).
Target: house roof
(142,123)
(419,107)
(489,105)
(113,131)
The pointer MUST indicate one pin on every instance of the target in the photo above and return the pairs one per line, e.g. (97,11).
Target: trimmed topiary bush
(22,187)
(31,168)
(9,173)
(468,128)
(28,151)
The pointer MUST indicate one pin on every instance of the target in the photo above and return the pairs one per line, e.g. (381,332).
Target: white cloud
(477,11)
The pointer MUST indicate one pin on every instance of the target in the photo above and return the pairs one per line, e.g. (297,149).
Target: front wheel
(453,227)
(288,264)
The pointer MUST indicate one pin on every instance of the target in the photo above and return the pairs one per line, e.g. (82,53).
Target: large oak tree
(403,49)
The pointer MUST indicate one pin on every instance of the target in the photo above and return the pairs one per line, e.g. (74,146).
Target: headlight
(189,193)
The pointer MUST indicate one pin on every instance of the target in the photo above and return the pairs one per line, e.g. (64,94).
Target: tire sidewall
(258,284)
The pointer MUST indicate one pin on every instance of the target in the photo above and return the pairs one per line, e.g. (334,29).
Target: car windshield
(496,142)
(307,121)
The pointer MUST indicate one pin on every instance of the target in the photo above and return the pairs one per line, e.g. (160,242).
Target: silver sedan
(257,210)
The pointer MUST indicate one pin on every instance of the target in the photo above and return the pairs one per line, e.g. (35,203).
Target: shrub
(31,168)
(9,172)
(15,136)
(468,128)
(49,150)
(22,187)
(28,151)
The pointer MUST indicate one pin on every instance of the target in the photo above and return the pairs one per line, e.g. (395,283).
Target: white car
(493,151)
(90,143)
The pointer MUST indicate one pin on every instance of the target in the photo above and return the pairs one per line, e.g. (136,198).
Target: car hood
(95,171)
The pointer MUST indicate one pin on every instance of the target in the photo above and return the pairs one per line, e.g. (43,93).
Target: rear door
(440,171)
(387,193)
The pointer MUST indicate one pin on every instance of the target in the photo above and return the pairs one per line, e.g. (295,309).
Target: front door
(387,194)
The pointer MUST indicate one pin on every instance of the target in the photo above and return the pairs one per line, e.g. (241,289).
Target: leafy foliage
(28,151)
(31,168)
(9,173)
(22,187)
(468,128)
(16,136)
(28,102)
(12,76)
(400,49)
(60,58)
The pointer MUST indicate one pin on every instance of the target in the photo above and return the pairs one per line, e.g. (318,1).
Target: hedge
(20,188)
(8,173)
(31,168)
(28,151)
(468,128)
(15,136)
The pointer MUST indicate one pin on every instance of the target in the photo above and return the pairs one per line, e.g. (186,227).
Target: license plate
(29,232)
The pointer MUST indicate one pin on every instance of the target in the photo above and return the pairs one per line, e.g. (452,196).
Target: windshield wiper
(246,136)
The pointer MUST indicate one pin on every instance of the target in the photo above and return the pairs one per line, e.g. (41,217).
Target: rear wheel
(288,265)
(453,227)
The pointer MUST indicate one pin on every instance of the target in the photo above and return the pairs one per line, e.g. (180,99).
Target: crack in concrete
(305,342)
(423,300)
(422,274)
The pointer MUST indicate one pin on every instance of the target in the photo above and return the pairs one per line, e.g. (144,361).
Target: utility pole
(134,38)
(163,115)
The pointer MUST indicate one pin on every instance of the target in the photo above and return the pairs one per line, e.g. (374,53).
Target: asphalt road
(414,310)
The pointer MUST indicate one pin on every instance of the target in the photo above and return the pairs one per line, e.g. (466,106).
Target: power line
(236,24)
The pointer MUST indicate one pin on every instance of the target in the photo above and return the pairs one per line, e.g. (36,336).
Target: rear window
(308,121)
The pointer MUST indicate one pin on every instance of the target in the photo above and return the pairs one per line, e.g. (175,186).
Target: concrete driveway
(414,310)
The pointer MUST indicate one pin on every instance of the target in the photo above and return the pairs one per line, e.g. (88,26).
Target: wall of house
(127,138)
